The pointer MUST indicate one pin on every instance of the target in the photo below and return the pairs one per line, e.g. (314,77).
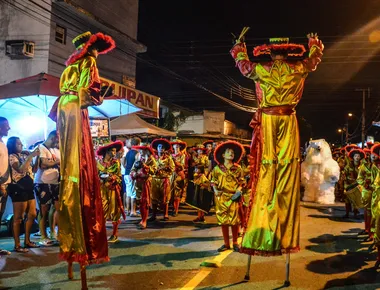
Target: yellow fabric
(202,160)
(227,181)
(375,202)
(76,77)
(364,181)
(274,222)
(177,178)
(139,184)
(351,172)
(161,191)
(111,208)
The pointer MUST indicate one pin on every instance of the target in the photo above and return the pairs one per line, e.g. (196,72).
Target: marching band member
(227,180)
(178,177)
(110,185)
(161,179)
(142,172)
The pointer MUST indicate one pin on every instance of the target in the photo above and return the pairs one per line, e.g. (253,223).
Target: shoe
(113,239)
(152,219)
(4,252)
(224,248)
(134,215)
(141,227)
(166,218)
(46,242)
(19,249)
(199,220)
(38,234)
(53,236)
(174,214)
(236,248)
(31,245)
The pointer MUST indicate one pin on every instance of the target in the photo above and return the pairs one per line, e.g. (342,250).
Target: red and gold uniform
(161,192)
(273,220)
(227,182)
(365,185)
(142,173)
(178,178)
(82,232)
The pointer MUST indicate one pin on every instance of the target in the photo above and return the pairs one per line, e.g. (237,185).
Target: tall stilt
(70,274)
(287,281)
(247,277)
(83,277)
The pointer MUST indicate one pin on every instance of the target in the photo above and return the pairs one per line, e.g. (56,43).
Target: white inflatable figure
(319,173)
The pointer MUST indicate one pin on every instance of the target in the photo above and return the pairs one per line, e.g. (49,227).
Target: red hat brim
(162,141)
(356,151)
(376,150)
(103,150)
(208,142)
(103,43)
(182,144)
(142,147)
(291,48)
(221,148)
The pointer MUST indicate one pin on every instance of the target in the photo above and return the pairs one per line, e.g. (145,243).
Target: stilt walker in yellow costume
(82,232)
(273,217)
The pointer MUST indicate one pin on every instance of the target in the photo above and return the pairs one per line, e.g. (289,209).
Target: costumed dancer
(365,186)
(202,188)
(352,192)
(82,231)
(110,185)
(201,158)
(142,172)
(319,173)
(338,156)
(161,179)
(273,220)
(177,181)
(227,180)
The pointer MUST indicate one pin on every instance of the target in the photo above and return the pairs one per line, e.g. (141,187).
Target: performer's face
(200,152)
(209,147)
(160,148)
(176,148)
(357,157)
(112,152)
(374,157)
(94,52)
(229,154)
(18,146)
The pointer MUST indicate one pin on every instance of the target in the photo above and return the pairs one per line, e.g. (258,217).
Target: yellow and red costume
(110,183)
(273,219)
(142,173)
(82,232)
(226,183)
(365,185)
(177,180)
(161,192)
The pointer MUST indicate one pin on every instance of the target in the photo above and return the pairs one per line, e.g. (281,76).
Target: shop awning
(134,125)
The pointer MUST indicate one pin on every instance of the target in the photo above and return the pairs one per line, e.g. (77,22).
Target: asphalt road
(168,256)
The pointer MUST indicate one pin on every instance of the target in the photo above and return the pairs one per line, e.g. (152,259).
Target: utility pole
(363,111)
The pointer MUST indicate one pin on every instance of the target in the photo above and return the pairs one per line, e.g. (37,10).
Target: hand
(36,152)
(313,40)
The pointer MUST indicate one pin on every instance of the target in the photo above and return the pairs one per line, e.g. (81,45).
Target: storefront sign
(148,103)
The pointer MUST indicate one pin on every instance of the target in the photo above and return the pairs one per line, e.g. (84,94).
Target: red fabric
(94,226)
(254,252)
(115,227)
(226,235)
(119,202)
(292,49)
(166,189)
(235,234)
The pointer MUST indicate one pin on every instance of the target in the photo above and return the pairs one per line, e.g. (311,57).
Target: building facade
(36,36)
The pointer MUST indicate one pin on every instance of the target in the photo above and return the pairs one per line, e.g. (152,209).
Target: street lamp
(340,131)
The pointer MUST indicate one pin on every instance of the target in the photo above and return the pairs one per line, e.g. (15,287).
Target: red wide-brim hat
(143,147)
(221,148)
(349,148)
(208,142)
(280,44)
(376,150)
(356,151)
(182,144)
(162,141)
(85,41)
(103,150)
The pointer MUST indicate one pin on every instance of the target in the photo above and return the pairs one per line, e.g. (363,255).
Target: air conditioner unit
(19,49)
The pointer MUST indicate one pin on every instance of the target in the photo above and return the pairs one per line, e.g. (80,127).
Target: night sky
(189,41)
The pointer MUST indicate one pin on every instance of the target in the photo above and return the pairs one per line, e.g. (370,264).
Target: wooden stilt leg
(83,277)
(247,277)
(287,281)
(70,274)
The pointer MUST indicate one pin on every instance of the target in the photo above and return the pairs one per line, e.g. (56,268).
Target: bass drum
(198,197)
(354,195)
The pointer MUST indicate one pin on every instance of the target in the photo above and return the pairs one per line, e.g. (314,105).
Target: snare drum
(354,195)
